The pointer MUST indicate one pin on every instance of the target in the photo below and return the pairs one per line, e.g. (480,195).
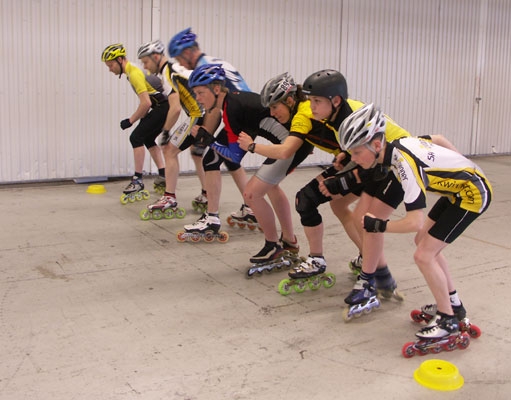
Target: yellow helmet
(113,51)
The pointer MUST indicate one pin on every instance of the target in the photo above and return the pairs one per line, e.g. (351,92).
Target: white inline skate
(207,228)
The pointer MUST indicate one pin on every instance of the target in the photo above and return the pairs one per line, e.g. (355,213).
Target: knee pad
(307,201)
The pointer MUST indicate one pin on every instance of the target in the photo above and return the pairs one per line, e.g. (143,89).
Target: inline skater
(420,166)
(151,112)
(183,47)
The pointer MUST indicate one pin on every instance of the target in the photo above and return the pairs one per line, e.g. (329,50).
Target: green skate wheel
(180,213)
(168,214)
(315,284)
(124,199)
(329,280)
(138,196)
(131,199)
(300,286)
(285,287)
(145,215)
(145,194)
(157,214)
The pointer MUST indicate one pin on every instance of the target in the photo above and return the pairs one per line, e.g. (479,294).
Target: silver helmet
(155,47)
(361,126)
(277,89)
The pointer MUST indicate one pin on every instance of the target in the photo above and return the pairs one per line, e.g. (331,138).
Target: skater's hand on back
(244,141)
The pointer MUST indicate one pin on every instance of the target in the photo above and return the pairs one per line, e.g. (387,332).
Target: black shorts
(388,190)
(450,220)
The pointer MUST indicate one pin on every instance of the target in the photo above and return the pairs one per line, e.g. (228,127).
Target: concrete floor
(97,304)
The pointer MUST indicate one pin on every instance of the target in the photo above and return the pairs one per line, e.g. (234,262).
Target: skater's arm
(412,222)
(174,111)
(276,151)
(143,107)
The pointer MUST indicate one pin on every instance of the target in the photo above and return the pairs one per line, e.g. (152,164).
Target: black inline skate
(442,333)
(308,273)
(270,258)
(243,217)
(166,207)
(159,184)
(207,227)
(427,312)
(134,191)
(362,299)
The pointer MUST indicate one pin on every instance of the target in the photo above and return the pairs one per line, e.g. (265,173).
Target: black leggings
(149,127)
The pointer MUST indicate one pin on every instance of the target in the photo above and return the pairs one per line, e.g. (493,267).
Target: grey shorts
(275,172)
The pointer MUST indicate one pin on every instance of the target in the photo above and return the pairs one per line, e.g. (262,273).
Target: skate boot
(355,265)
(362,299)
(200,203)
(269,258)
(427,312)
(309,273)
(243,217)
(166,207)
(386,286)
(442,333)
(134,191)
(159,184)
(207,227)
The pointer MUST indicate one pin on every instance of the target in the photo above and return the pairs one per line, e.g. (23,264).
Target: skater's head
(363,134)
(184,48)
(114,56)
(208,84)
(152,55)
(326,89)
(281,94)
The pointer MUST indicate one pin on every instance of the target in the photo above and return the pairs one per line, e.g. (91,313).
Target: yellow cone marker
(438,375)
(96,189)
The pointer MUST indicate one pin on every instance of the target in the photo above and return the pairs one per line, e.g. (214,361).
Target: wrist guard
(203,138)
(374,225)
(125,124)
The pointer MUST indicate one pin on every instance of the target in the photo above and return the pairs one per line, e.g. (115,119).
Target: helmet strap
(120,66)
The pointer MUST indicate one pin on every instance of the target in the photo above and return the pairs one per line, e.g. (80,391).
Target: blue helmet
(181,41)
(206,74)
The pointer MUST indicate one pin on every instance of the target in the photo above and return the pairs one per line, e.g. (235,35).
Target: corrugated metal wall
(425,63)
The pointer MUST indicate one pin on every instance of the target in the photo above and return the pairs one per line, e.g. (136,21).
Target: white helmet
(151,48)
(361,127)
(278,89)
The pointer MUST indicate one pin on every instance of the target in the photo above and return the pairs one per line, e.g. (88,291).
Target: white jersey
(234,81)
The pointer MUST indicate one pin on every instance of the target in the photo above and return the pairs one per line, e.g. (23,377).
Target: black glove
(343,183)
(203,138)
(125,124)
(374,225)
(347,158)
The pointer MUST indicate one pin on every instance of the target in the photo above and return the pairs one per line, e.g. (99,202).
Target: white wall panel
(424,62)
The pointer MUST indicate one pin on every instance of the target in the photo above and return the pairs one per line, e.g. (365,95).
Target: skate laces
(168,200)
(310,265)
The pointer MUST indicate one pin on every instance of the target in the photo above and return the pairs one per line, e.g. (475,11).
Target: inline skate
(166,207)
(442,333)
(243,217)
(200,203)
(270,257)
(386,286)
(207,227)
(134,191)
(355,265)
(362,299)
(159,184)
(427,312)
(308,273)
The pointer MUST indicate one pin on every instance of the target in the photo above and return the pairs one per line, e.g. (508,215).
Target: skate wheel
(408,350)
(285,287)
(315,284)
(329,280)
(145,215)
(195,237)
(180,213)
(436,349)
(168,214)
(300,286)
(416,316)
(422,352)
(146,195)
(241,225)
(464,341)
(223,237)
(230,221)
(157,214)
(474,331)
(138,196)
(398,295)
(131,199)
(181,237)
(209,237)
(252,227)
(124,199)
(449,346)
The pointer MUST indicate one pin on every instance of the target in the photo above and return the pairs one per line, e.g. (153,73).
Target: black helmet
(326,83)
